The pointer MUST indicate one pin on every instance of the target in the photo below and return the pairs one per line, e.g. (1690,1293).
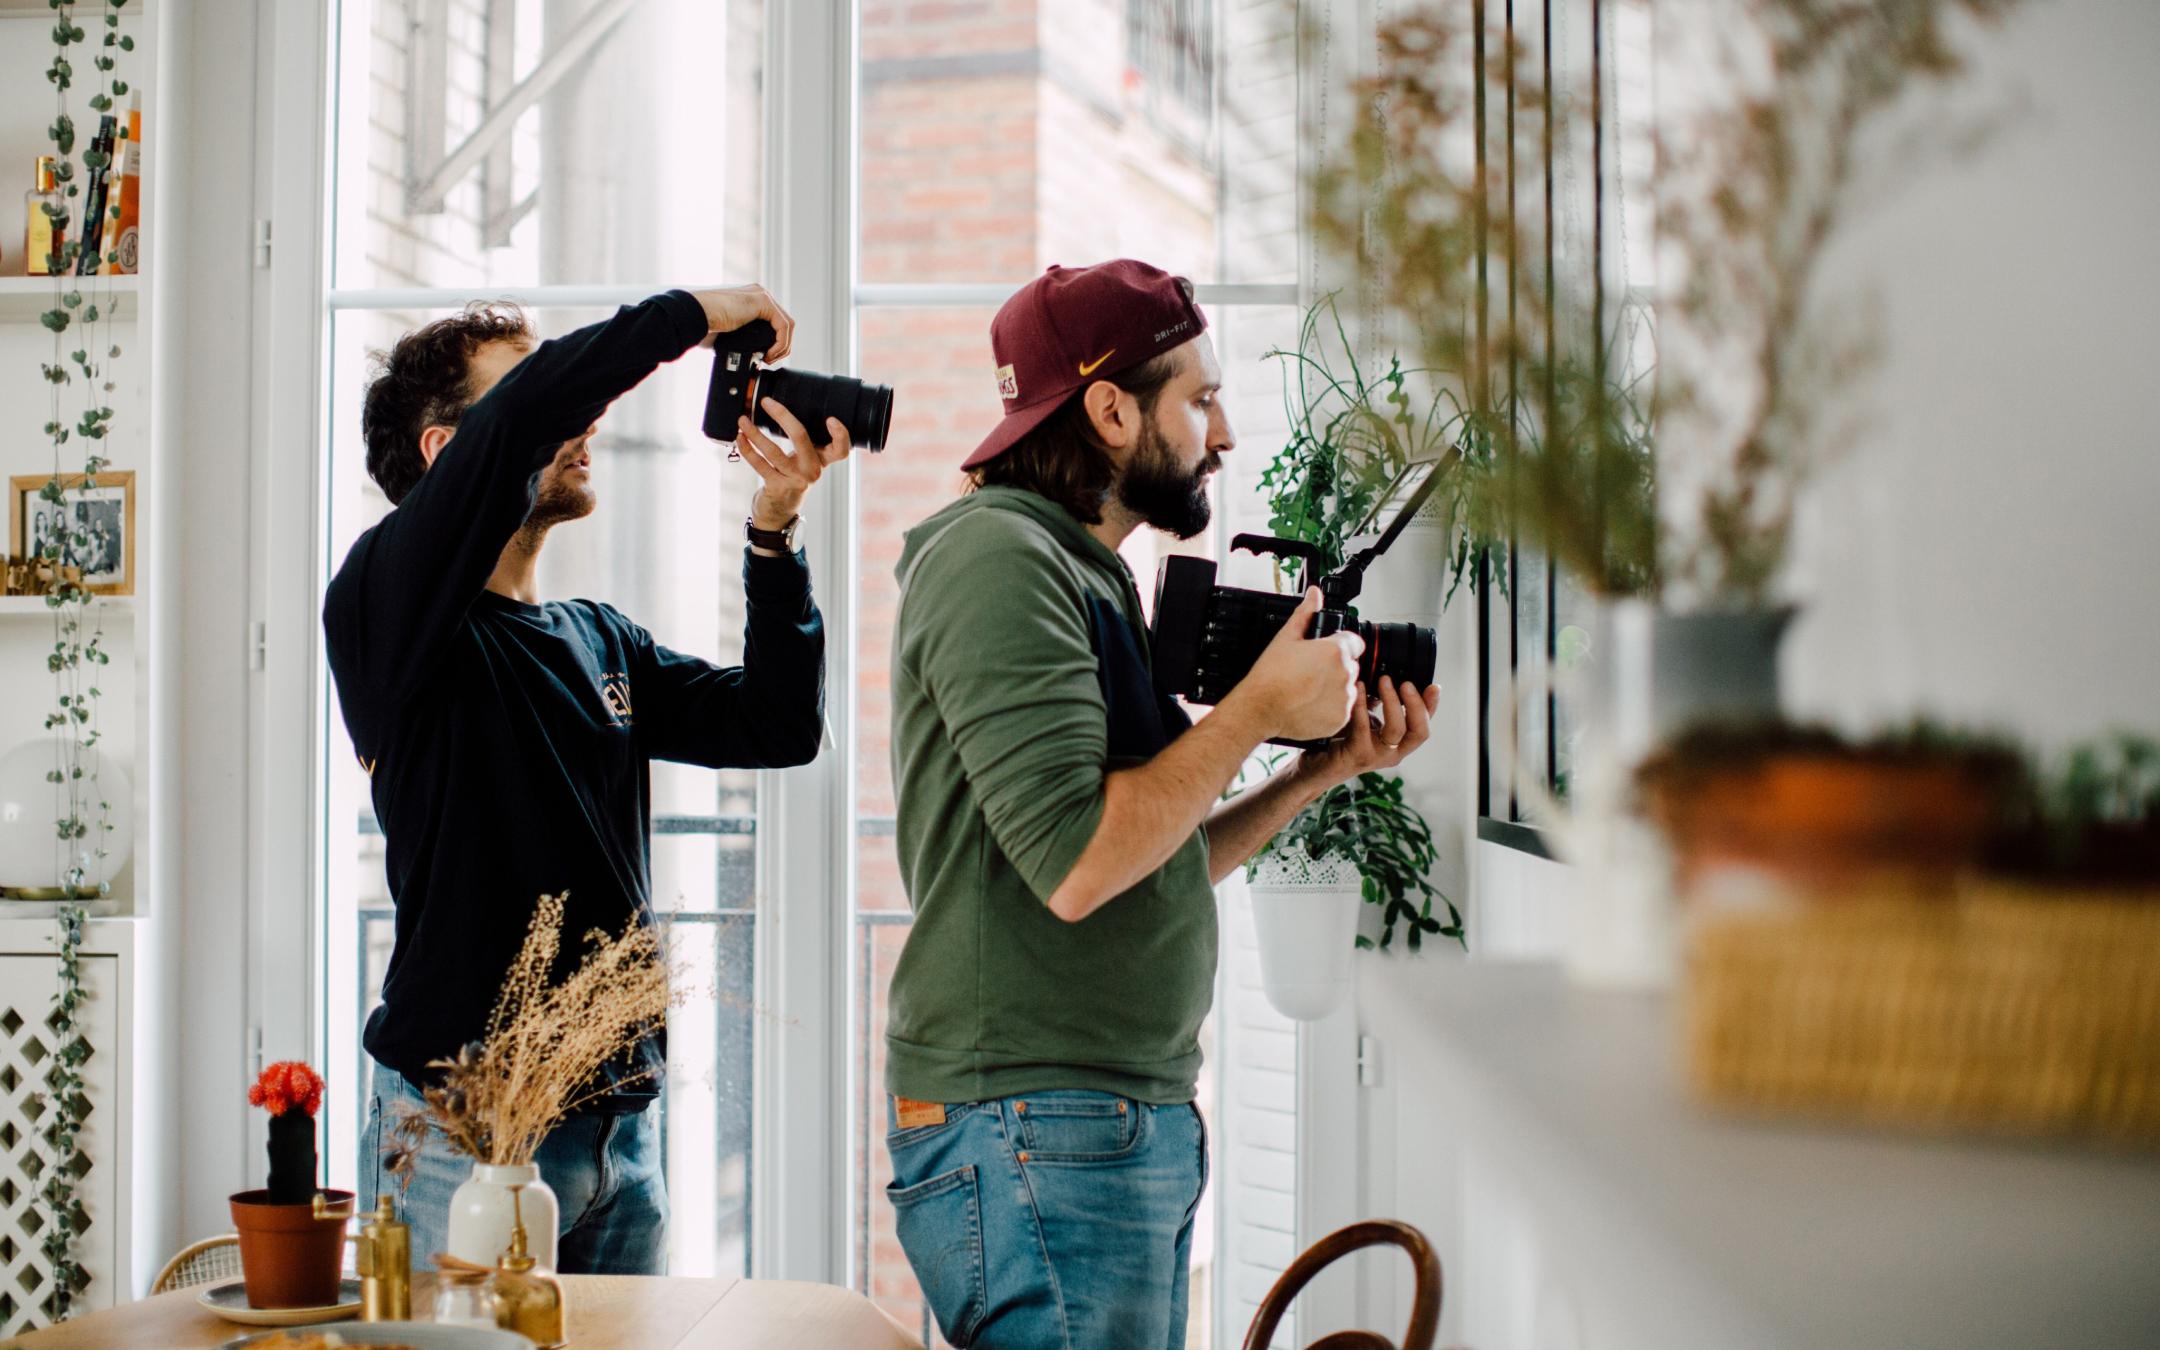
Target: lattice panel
(27,1046)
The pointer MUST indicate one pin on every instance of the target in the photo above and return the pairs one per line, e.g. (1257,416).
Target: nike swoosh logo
(1091,367)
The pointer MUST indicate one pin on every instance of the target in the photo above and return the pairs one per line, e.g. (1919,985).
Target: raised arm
(409,580)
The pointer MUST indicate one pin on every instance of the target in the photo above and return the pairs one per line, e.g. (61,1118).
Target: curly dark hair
(1063,459)
(425,380)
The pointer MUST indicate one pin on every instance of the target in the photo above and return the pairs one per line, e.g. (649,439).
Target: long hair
(1063,459)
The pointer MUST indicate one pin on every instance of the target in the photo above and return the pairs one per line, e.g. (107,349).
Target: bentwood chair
(1424,1300)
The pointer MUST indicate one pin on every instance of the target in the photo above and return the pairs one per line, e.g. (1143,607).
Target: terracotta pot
(1824,818)
(289,1257)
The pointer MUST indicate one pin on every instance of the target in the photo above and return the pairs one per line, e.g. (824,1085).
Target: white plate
(229,1301)
(420,1335)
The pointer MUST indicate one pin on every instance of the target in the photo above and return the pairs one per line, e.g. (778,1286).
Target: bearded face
(1163,489)
(566,491)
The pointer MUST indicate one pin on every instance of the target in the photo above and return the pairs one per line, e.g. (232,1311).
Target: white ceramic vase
(33,858)
(1305,918)
(481,1215)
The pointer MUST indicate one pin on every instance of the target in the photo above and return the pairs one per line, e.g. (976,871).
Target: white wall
(1990,554)
(211,276)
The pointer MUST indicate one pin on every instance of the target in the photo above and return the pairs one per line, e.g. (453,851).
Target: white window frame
(802,1162)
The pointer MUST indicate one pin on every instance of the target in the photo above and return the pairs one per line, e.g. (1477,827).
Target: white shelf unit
(26,108)
(25,299)
(18,608)
(131,938)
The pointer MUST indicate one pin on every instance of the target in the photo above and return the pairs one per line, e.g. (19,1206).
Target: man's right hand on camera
(1301,688)
(730,307)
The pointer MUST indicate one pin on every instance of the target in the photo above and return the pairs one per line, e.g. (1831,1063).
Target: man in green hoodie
(1061,829)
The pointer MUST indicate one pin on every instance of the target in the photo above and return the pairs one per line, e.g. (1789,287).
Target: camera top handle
(1309,554)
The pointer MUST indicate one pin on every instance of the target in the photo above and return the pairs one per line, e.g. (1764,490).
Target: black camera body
(1206,637)
(740,384)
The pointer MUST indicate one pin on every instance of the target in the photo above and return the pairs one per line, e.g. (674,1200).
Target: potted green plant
(1360,842)
(1352,428)
(2093,820)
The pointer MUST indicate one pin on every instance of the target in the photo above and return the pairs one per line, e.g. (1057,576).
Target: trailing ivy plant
(78,372)
(68,1106)
(1367,822)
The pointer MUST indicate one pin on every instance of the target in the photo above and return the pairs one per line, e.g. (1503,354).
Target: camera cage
(1419,479)
(1186,591)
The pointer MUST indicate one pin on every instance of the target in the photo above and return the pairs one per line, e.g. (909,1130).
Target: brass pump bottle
(385,1261)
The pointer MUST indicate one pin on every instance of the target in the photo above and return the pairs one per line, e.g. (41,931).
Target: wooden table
(607,1312)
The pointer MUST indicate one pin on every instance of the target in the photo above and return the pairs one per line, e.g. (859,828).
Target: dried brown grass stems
(547,1043)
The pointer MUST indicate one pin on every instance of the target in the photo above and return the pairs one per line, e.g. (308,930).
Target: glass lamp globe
(33,858)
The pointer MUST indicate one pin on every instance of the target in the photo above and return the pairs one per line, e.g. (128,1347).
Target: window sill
(1513,834)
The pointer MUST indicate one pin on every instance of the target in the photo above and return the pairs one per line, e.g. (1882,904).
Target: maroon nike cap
(1072,326)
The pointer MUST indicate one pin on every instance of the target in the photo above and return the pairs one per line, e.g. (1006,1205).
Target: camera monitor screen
(1401,500)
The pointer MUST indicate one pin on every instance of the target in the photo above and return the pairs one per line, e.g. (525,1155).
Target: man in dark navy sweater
(507,740)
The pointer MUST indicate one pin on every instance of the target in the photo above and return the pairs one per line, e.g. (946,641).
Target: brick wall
(998,136)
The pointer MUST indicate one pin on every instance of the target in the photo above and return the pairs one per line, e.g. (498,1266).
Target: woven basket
(2007,1008)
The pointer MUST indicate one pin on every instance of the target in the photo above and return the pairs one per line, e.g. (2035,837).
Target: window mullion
(806,857)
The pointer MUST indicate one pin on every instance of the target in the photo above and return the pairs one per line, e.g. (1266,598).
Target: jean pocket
(1079,1127)
(939,1223)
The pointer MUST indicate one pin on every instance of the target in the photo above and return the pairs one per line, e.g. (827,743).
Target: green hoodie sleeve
(997,634)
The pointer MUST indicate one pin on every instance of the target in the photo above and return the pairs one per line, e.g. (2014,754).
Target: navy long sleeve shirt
(508,745)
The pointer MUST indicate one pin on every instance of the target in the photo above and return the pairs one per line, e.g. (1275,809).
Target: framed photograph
(96,525)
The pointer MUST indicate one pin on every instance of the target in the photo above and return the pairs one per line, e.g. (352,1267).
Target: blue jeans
(1058,1218)
(605,1171)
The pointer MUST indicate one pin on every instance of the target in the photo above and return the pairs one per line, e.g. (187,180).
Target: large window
(537,147)
(580,153)
(1595,190)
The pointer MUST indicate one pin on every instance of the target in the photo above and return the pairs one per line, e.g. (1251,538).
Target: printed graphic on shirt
(615,693)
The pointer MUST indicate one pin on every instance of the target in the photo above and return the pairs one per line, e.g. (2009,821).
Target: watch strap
(781,540)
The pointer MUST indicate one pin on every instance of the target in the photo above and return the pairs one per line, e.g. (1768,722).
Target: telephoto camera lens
(740,386)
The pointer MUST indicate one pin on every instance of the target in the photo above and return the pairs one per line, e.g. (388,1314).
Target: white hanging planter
(1305,916)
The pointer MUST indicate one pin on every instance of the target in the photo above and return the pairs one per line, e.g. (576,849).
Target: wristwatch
(781,540)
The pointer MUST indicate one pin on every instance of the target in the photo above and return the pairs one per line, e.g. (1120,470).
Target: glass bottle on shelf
(40,239)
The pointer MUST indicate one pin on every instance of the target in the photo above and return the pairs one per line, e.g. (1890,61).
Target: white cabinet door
(27,1045)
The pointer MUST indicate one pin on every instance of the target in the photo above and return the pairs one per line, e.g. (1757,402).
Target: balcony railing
(735,952)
